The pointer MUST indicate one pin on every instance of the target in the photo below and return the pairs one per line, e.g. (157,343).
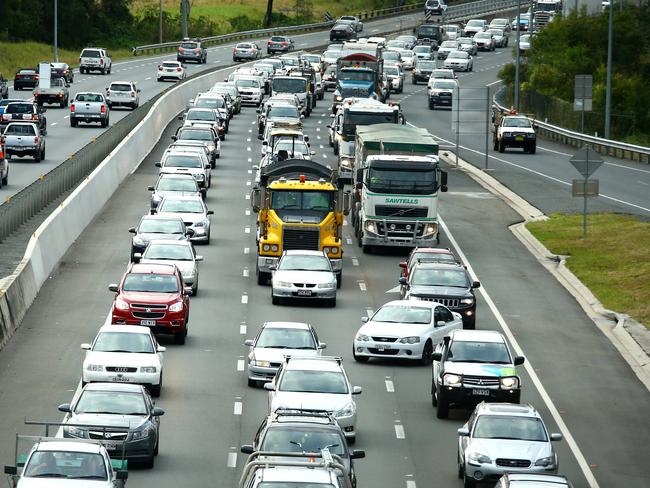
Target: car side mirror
(151,188)
(357,390)
(273,267)
(463,432)
(11,470)
(138,90)
(306,138)
(180,117)
(402,264)
(174,138)
(187,290)
(198,258)
(137,257)
(440,323)
(403,281)
(210,212)
(157,412)
(476,284)
(247,449)
(519,360)
(322,345)
(556,437)
(364,319)
(113,287)
(161,349)
(122,475)
(85,346)
(259,137)
(265,143)
(357,454)
(64,407)
(436,356)
(249,342)
(269,386)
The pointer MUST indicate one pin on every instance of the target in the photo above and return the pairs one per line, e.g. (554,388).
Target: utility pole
(56,31)
(608,91)
(518,60)
(268,18)
(185,14)
(160,36)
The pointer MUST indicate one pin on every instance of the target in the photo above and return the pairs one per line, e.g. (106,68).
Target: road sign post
(582,97)
(586,161)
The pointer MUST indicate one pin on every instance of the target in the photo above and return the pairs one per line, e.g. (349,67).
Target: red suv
(153,295)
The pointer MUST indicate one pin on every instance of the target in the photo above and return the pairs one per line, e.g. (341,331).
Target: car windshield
(391,70)
(160,226)
(357,75)
(422,49)
(407,54)
(246,83)
(510,427)
(173,252)
(204,102)
(195,135)
(392,55)
(289,85)
(478,352)
(279,338)
(437,257)
(439,73)
(496,32)
(449,85)
(427,65)
(277,111)
(475,23)
(439,277)
(150,282)
(384,180)
(299,439)
(458,55)
(308,381)
(449,44)
(177,161)
(123,342)
(120,87)
(66,464)
(291,147)
(312,58)
(267,68)
(201,115)
(296,206)
(403,314)
(111,402)
(183,206)
(177,184)
(516,122)
(298,262)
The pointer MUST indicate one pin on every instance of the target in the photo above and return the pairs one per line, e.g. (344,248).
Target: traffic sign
(586,161)
(585,188)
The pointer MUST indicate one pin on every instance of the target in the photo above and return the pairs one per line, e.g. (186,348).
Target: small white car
(124,355)
(273,342)
(403,329)
(316,383)
(302,274)
(409,58)
(123,93)
(171,70)
(179,253)
(459,61)
(187,161)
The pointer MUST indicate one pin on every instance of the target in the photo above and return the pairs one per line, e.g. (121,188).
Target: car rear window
(189,45)
(89,97)
(171,64)
(20,129)
(120,87)
(19,108)
(244,46)
(91,53)
(27,72)
(178,161)
(277,39)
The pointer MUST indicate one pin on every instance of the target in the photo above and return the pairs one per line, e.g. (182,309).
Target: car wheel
(155,389)
(331,302)
(180,338)
(73,122)
(366,249)
(195,288)
(468,482)
(427,352)
(149,462)
(275,300)
(461,471)
(432,106)
(37,156)
(208,240)
(533,148)
(5,180)
(496,144)
(502,147)
(359,359)
(263,277)
(339,279)
(156,449)
(442,412)
(352,440)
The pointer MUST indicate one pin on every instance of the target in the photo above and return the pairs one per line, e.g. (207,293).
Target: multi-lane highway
(573,375)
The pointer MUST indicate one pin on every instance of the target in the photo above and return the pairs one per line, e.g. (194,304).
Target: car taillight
(36,140)
(159,67)
(179,69)
(133,94)
(72,108)
(101,61)
(180,49)
(36,77)
(269,42)
(108,93)
(103,109)
(197,51)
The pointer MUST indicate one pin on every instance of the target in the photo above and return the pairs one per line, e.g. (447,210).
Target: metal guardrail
(454,12)
(603,146)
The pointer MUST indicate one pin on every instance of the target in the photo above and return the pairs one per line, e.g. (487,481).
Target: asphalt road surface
(572,375)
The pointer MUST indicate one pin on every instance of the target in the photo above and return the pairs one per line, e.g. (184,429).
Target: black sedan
(342,32)
(26,78)
(4,88)
(62,70)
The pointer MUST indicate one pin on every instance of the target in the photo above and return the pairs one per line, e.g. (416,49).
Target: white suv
(318,383)
(95,59)
(123,93)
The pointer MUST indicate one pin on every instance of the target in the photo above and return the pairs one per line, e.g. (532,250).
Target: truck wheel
(73,122)
(432,106)
(502,147)
(5,180)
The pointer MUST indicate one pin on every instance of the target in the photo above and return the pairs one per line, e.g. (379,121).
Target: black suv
(447,284)
(192,50)
(287,430)
(25,111)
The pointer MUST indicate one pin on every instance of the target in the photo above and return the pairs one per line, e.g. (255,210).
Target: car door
(463,441)
(443,324)
(437,366)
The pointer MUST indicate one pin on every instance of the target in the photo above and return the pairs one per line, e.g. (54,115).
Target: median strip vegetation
(613,262)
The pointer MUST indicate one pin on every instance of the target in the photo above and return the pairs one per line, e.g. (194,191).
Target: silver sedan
(304,274)
(179,253)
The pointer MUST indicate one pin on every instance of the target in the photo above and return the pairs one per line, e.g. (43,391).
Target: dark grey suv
(192,50)
(448,284)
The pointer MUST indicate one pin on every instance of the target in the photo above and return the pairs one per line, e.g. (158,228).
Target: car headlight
(467,301)
(346,411)
(545,462)
(451,379)
(362,338)
(121,304)
(76,432)
(142,434)
(283,284)
(338,98)
(371,227)
(96,368)
(201,223)
(410,340)
(327,285)
(479,458)
(176,307)
(510,382)
(211,147)
(261,364)
(188,273)
(346,163)
(148,369)
(431,229)
(530,136)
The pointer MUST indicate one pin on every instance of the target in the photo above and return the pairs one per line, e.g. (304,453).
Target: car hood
(146,237)
(304,276)
(310,401)
(165,193)
(285,120)
(509,449)
(384,329)
(62,483)
(480,369)
(187,217)
(121,358)
(277,355)
(108,420)
(181,265)
(182,170)
(148,297)
(444,291)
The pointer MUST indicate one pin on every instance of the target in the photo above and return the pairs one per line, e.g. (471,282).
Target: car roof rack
(338,359)
(301,412)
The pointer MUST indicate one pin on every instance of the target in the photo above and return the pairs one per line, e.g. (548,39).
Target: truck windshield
(401,181)
(428,31)
(352,120)
(353,75)
(296,206)
(289,85)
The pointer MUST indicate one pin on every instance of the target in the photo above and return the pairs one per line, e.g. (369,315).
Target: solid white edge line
(573,445)
(399,431)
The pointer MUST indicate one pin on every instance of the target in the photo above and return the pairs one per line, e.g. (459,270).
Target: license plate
(111,445)
(120,379)
(304,293)
(148,323)
(519,138)
(480,392)
(380,347)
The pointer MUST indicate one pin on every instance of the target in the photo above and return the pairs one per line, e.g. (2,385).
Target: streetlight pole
(516,100)
(56,31)
(160,18)
(608,92)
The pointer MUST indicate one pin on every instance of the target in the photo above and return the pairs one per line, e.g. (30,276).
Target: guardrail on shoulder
(603,146)
(454,12)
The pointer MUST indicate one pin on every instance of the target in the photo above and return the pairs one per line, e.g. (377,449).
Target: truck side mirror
(443,181)
(255,199)
(347,202)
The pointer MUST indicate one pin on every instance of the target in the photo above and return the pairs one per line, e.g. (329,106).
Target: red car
(153,295)
(427,254)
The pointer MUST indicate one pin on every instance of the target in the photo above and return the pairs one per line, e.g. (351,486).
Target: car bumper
(492,472)
(49,98)
(162,75)
(348,424)
(255,98)
(173,323)
(303,293)
(514,142)
(388,350)
(22,150)
(200,234)
(258,373)
(122,102)
(471,396)
(88,118)
(244,55)
(437,100)
(148,379)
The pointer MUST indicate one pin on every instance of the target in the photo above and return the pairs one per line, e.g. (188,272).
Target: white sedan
(459,61)
(171,70)
(405,329)
(124,354)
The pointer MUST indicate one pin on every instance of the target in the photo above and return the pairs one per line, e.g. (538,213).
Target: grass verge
(613,262)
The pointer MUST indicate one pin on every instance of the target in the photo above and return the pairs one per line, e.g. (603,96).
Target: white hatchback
(124,354)
(171,70)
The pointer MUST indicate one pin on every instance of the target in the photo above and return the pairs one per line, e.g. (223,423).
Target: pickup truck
(89,107)
(56,93)
(4,167)
(95,59)
(23,139)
